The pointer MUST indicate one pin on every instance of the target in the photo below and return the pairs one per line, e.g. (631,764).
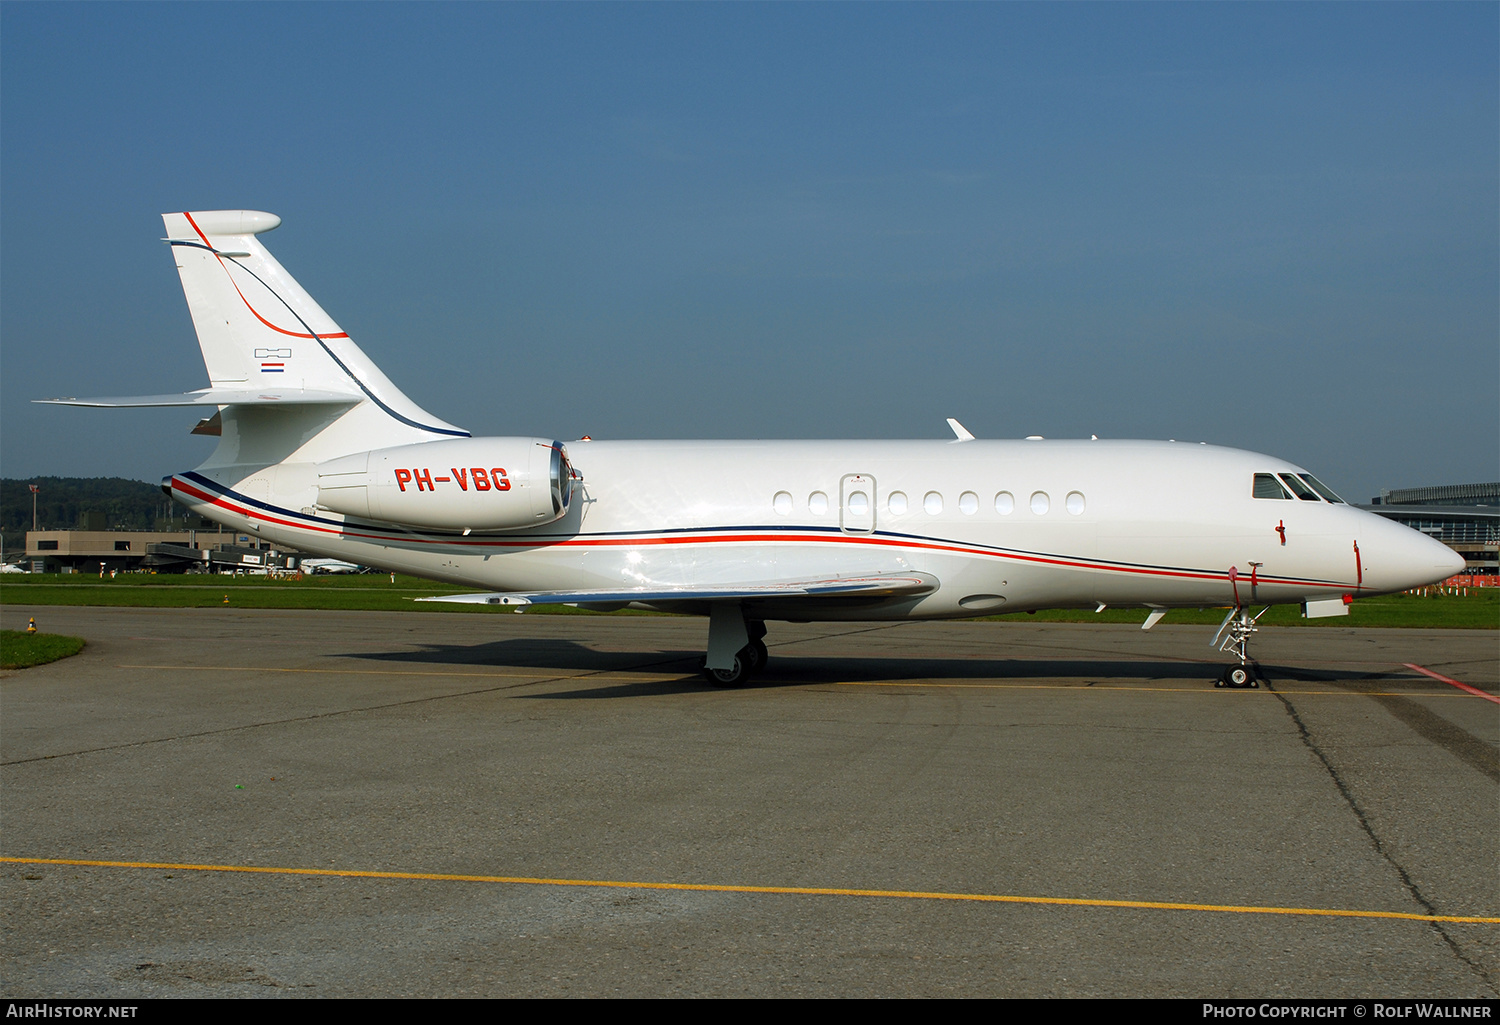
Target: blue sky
(1272,226)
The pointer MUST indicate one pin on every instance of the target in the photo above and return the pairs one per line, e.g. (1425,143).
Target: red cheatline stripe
(615,542)
(263,320)
(1451,682)
(197,229)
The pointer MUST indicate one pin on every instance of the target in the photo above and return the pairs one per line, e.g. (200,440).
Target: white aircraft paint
(330,566)
(321,452)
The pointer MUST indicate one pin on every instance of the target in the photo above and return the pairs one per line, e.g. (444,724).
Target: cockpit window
(1299,489)
(1266,487)
(1321,488)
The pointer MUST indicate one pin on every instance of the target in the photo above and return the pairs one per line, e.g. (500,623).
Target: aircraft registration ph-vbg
(319,451)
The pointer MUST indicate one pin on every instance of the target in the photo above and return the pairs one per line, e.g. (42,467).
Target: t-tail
(290,384)
(312,436)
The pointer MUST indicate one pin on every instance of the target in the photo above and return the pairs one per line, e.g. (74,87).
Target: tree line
(63,503)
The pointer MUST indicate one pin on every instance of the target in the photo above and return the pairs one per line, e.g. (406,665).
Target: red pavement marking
(1452,683)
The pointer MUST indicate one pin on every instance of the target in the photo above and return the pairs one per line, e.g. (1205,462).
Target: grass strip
(1478,610)
(21,650)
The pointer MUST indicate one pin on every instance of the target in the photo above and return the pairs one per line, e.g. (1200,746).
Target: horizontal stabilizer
(216,397)
(882,585)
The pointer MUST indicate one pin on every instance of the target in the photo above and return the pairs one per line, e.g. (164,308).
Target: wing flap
(878,585)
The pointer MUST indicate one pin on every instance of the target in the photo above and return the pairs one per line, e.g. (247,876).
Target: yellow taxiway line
(799,891)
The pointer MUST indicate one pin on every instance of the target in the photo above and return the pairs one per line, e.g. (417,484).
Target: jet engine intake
(465,484)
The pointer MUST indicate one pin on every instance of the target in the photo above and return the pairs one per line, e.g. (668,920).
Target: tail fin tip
(227,222)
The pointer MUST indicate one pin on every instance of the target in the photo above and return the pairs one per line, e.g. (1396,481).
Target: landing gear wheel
(755,655)
(734,677)
(1237,677)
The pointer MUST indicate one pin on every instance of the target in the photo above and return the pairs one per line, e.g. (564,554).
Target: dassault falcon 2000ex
(319,451)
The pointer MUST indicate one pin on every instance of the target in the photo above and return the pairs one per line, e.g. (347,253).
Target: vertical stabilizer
(258,328)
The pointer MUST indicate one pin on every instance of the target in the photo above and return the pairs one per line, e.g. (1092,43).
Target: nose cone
(1396,558)
(1452,563)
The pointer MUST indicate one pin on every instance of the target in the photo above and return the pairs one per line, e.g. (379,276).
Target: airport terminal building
(1465,517)
(187,551)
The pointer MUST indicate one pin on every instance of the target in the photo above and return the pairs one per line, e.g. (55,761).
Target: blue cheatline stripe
(340,363)
(780,533)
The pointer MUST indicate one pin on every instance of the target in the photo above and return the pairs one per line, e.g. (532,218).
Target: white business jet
(319,451)
(316,566)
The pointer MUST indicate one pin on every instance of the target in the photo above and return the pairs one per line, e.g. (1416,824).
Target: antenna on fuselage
(960,432)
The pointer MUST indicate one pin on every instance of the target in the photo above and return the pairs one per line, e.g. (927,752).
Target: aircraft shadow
(798,671)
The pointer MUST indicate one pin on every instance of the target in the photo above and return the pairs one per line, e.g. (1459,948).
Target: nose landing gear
(1233,636)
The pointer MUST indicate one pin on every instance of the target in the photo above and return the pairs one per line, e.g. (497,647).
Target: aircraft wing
(879,585)
(214,397)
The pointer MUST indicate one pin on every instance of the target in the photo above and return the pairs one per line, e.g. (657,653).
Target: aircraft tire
(735,677)
(1238,677)
(755,655)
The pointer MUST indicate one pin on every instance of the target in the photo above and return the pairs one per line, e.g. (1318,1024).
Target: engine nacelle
(467,484)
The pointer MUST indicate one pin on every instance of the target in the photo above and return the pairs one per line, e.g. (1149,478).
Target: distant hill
(63,502)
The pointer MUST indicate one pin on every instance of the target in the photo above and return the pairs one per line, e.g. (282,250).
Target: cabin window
(1005,503)
(817,503)
(1040,503)
(968,503)
(858,503)
(896,502)
(933,503)
(1075,503)
(1266,486)
(782,503)
(1321,488)
(1299,489)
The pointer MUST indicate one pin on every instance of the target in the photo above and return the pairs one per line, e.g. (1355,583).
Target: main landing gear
(1234,637)
(736,650)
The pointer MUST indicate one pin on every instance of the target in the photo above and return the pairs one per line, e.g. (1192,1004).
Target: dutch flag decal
(272,360)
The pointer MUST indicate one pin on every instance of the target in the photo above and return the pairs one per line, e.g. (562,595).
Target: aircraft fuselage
(1007,525)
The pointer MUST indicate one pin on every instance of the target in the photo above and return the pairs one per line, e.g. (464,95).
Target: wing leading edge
(880,585)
